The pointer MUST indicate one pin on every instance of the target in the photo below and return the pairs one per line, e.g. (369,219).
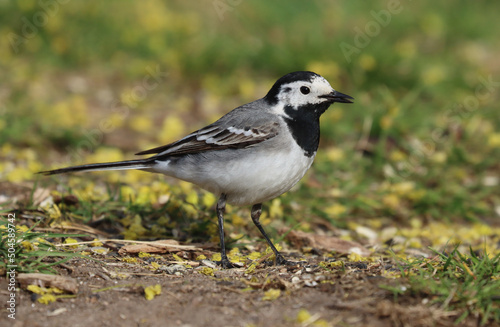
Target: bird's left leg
(256,211)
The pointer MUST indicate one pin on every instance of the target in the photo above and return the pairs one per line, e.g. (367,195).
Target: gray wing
(238,129)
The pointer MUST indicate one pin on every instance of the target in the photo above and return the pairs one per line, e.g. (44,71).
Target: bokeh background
(419,149)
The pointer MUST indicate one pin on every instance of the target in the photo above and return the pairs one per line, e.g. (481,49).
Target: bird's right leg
(221,208)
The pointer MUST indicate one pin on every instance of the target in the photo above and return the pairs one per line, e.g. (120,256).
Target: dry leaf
(326,243)
(162,246)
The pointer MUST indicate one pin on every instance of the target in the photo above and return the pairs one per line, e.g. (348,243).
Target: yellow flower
(276,209)
(327,68)
(34,166)
(206,271)
(172,129)
(386,121)
(406,49)
(135,229)
(53,211)
(67,113)
(132,176)
(414,242)
(155,265)
(403,187)
(106,154)
(216,257)
(246,88)
(303,316)
(59,44)
(254,255)
(416,223)
(397,155)
(186,187)
(336,263)
(433,25)
(494,140)
(145,196)
(19,174)
(391,200)
(22,228)
(251,269)
(439,157)
(70,240)
(334,114)
(336,210)
(47,293)
(47,298)
(129,260)
(208,199)
(416,194)
(271,295)
(151,291)
(177,258)
(141,124)
(433,75)
(28,246)
(100,250)
(127,193)
(6,149)
(96,242)
(356,257)
(334,154)
(192,197)
(367,62)
(36,289)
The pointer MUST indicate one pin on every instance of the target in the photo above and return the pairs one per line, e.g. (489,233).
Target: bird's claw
(281,261)
(225,263)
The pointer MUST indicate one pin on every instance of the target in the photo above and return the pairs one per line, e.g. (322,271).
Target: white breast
(254,181)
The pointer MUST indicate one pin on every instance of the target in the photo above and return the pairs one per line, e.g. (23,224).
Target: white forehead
(318,84)
(290,93)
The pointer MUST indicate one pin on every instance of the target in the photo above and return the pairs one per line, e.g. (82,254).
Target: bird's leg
(221,208)
(256,211)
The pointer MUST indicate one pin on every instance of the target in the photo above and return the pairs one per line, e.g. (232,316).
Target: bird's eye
(304,90)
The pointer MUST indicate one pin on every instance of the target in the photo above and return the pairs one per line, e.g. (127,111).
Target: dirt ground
(350,296)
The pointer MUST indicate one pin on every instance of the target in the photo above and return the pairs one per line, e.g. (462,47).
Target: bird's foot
(281,261)
(225,263)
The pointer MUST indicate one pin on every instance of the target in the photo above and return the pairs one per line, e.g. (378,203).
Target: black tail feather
(119,165)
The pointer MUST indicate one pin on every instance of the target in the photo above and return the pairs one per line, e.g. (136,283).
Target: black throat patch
(303,123)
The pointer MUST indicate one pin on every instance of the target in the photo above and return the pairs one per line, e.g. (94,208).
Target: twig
(157,244)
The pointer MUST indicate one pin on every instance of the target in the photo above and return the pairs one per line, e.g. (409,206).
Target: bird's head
(304,90)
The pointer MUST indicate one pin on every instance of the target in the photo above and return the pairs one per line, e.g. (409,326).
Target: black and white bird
(252,154)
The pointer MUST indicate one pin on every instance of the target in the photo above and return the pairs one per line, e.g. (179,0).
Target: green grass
(33,251)
(468,283)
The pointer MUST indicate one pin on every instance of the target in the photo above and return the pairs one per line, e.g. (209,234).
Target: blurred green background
(95,81)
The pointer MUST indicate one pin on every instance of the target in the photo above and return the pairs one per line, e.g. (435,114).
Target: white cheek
(296,99)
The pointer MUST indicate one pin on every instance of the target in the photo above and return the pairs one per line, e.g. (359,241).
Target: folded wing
(213,138)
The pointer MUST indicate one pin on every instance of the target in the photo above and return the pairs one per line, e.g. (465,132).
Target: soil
(348,296)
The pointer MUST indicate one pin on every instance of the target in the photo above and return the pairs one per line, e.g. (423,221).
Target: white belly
(254,177)
(250,182)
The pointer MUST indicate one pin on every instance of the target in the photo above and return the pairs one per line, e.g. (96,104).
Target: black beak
(336,96)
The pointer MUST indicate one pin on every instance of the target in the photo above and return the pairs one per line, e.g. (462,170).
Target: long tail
(119,165)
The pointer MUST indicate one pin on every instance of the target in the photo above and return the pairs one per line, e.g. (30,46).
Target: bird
(252,154)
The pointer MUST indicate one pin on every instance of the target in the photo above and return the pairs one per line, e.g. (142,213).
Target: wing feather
(213,138)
